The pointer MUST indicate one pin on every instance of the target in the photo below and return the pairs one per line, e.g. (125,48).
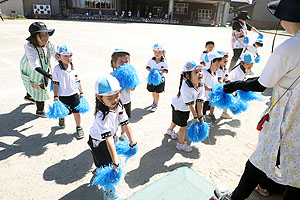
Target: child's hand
(201,119)
(81,94)
(55,98)
(196,120)
(115,167)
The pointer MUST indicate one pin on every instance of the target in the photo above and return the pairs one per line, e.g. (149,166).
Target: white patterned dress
(283,128)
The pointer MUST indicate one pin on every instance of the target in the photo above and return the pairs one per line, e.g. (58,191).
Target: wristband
(201,117)
(133,145)
(195,117)
(55,96)
(81,93)
(117,165)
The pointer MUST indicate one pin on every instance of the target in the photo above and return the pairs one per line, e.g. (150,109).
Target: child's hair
(209,42)
(259,44)
(115,56)
(103,108)
(62,66)
(182,77)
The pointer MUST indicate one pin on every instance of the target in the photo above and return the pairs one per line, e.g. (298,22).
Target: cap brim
(110,93)
(272,6)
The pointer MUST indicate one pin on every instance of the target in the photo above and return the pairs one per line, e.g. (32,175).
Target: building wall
(262,18)
(8,6)
(193,7)
(28,6)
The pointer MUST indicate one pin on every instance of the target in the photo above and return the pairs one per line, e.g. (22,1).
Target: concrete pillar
(218,14)
(171,9)
(225,13)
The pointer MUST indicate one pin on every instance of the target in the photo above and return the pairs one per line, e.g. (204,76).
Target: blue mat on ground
(182,183)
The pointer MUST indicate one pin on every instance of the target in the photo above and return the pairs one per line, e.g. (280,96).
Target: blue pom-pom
(198,132)
(239,107)
(123,148)
(83,105)
(107,178)
(154,77)
(127,77)
(58,110)
(249,96)
(246,40)
(220,99)
(51,86)
(261,36)
(257,59)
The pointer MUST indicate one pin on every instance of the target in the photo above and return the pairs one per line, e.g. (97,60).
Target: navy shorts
(156,88)
(180,118)
(71,101)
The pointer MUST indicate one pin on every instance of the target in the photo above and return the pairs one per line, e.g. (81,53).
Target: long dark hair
(182,77)
(62,66)
(103,108)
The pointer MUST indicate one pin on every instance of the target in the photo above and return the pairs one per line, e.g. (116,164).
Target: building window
(204,14)
(181,8)
(103,4)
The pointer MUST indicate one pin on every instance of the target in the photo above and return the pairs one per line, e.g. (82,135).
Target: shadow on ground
(69,171)
(215,130)
(85,191)
(153,162)
(138,113)
(32,145)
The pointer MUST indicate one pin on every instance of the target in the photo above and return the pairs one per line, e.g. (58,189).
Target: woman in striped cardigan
(35,64)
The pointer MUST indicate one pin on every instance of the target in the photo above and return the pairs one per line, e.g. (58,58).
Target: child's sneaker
(225,115)
(212,117)
(154,107)
(114,196)
(123,137)
(41,114)
(222,194)
(61,122)
(172,134)
(262,191)
(183,147)
(80,133)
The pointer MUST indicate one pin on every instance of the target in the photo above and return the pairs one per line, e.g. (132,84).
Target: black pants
(40,105)
(251,177)
(236,55)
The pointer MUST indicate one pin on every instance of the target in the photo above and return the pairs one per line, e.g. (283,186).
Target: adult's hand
(230,87)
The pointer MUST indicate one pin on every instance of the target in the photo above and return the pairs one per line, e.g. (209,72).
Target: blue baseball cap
(223,53)
(259,41)
(107,85)
(190,66)
(247,58)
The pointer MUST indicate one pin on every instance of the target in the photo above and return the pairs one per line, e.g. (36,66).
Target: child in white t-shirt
(190,98)
(109,114)
(157,62)
(210,80)
(222,76)
(253,49)
(67,85)
(209,47)
(238,72)
(120,57)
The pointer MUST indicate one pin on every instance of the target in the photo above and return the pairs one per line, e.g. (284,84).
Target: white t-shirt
(68,80)
(251,49)
(283,66)
(237,74)
(110,123)
(188,96)
(125,96)
(222,74)
(209,80)
(161,66)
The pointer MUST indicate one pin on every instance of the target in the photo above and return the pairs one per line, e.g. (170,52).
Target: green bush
(21,17)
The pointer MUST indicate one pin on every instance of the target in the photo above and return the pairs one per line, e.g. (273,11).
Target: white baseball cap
(107,85)
(211,56)
(120,51)
(190,66)
(158,47)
